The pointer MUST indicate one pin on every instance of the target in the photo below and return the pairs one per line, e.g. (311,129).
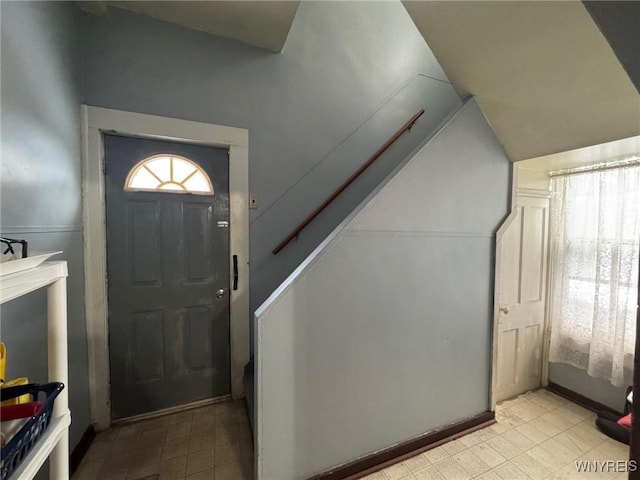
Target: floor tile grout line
(231,419)
(579,420)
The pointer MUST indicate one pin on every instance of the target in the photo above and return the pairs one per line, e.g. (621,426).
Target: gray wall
(383,333)
(350,74)
(594,388)
(40,189)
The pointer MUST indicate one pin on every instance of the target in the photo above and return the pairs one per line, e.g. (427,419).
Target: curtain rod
(632,161)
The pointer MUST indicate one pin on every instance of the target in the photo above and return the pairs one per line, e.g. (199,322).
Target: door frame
(95,121)
(546,331)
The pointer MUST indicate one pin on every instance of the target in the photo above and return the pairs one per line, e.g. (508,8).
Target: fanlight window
(168,173)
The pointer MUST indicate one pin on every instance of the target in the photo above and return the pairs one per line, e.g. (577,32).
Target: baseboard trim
(81,449)
(171,410)
(379,460)
(581,400)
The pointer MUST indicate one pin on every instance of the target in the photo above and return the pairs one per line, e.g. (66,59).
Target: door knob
(220,293)
(504,310)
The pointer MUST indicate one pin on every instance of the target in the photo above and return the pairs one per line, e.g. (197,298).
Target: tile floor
(212,442)
(538,435)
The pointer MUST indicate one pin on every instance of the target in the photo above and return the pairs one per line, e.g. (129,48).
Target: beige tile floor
(538,435)
(212,442)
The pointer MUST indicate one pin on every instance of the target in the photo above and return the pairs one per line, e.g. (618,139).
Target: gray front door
(168,274)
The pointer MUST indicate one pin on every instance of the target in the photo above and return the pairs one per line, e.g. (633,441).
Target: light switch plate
(253,201)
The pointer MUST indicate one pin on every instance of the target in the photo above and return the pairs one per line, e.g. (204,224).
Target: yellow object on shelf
(11,383)
(17,400)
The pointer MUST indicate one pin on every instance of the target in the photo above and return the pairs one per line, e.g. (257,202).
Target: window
(168,173)
(595,230)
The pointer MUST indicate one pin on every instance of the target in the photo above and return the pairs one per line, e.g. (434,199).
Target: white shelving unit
(55,442)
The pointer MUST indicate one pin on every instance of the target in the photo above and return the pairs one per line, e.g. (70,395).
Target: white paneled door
(522,298)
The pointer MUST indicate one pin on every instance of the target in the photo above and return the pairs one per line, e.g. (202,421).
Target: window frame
(158,189)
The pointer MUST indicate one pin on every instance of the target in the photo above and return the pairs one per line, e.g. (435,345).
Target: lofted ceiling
(263,24)
(616,151)
(542,72)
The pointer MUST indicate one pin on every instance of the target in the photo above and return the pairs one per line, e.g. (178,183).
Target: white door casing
(521,298)
(97,120)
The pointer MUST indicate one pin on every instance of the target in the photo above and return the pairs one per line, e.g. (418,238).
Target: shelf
(40,452)
(54,443)
(20,283)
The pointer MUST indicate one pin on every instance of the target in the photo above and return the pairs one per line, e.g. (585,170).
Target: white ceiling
(618,150)
(263,24)
(542,72)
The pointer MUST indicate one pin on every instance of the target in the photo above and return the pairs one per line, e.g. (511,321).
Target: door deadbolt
(220,293)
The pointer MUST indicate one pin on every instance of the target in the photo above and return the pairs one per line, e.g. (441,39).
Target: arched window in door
(170,174)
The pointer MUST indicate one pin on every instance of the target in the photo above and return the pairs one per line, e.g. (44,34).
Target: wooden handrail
(407,126)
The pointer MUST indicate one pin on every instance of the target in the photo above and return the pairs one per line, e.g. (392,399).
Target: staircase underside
(542,72)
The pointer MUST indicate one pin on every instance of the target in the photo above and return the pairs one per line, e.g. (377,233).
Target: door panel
(533,252)
(531,358)
(510,268)
(143,220)
(508,358)
(196,225)
(521,293)
(199,332)
(147,352)
(167,255)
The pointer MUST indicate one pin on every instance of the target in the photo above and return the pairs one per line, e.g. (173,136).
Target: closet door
(522,298)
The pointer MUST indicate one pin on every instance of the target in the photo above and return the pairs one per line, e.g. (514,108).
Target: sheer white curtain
(595,230)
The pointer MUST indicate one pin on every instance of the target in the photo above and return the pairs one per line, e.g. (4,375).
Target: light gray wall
(594,388)
(383,333)
(350,74)
(40,190)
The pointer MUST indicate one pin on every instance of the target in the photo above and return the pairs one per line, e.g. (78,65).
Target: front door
(522,298)
(167,210)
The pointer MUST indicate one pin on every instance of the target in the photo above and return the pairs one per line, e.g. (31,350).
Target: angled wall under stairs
(383,333)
